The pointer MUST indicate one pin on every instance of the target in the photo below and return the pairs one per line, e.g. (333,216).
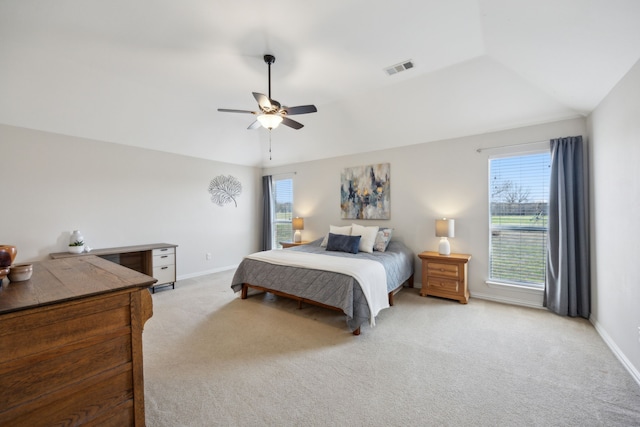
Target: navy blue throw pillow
(342,243)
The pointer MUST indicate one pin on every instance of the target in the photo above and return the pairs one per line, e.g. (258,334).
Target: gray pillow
(382,239)
(342,243)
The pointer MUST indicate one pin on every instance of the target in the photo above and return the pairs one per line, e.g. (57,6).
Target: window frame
(275,242)
(513,151)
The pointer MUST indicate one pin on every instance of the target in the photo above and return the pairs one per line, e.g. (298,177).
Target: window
(283,211)
(518,203)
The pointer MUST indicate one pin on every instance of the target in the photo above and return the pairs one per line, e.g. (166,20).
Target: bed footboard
(246,286)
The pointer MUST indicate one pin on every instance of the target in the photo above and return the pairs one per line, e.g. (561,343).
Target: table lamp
(444,230)
(298,224)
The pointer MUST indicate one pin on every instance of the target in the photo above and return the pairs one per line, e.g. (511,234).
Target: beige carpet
(212,359)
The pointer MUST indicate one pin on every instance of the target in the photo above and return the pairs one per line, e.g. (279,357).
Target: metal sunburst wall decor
(225,189)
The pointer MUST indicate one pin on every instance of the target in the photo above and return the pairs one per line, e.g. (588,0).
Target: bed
(327,288)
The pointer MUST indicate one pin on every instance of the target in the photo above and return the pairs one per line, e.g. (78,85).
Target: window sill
(536,290)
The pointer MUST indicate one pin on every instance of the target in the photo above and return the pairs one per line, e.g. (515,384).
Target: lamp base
(444,248)
(297,237)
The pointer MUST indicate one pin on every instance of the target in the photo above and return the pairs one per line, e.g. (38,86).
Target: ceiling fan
(271,113)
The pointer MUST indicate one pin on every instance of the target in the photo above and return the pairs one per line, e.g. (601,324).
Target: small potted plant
(76,247)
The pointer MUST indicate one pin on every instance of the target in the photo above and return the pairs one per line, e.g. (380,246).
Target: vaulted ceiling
(152,73)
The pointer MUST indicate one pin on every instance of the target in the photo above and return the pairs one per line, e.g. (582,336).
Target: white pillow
(368,236)
(334,229)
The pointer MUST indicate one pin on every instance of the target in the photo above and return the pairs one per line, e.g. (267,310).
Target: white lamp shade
(269,121)
(445,227)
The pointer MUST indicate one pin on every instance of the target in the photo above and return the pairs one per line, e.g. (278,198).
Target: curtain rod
(480,150)
(283,173)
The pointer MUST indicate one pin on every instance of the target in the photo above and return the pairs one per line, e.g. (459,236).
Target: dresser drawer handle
(164,250)
(163,268)
(164,256)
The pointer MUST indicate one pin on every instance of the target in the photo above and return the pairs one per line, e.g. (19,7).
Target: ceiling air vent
(394,69)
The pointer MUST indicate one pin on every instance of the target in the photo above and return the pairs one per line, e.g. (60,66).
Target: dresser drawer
(165,259)
(164,274)
(442,269)
(444,285)
(163,251)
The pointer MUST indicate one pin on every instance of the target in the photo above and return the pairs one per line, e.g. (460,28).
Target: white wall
(446,178)
(119,196)
(615,170)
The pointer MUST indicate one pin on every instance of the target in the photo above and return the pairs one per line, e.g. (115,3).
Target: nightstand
(445,276)
(286,245)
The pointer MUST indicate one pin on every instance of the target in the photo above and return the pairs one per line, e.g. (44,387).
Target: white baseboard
(616,350)
(506,300)
(204,273)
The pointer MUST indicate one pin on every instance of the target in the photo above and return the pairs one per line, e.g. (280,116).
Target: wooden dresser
(445,275)
(71,345)
(155,259)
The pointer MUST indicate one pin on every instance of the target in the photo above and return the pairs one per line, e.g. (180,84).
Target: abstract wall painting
(365,192)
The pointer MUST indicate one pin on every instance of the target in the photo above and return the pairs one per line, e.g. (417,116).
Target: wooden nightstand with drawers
(445,275)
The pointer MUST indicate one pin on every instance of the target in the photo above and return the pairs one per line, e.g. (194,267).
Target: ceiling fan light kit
(269,121)
(271,113)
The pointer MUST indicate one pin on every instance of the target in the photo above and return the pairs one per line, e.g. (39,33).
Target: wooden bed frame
(246,286)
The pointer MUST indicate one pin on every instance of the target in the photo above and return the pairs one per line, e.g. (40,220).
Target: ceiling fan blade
(291,123)
(301,109)
(263,101)
(227,110)
(254,125)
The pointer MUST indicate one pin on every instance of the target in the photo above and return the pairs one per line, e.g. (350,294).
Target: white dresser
(163,266)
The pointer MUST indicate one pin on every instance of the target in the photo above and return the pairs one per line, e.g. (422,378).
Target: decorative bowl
(76,249)
(7,255)
(20,272)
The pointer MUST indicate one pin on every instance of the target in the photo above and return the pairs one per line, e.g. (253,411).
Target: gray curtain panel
(567,290)
(266,212)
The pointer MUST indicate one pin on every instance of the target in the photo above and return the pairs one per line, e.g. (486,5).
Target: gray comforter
(326,287)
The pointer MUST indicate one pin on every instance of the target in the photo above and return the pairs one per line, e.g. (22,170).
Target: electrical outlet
(208,256)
